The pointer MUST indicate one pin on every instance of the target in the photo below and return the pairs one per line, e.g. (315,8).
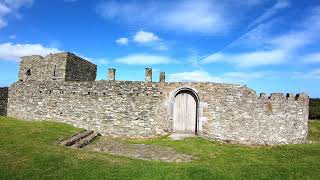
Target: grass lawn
(28,150)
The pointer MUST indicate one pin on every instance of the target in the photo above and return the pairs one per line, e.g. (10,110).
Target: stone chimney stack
(148,75)
(111,74)
(162,77)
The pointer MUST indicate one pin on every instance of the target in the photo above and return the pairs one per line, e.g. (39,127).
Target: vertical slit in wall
(54,70)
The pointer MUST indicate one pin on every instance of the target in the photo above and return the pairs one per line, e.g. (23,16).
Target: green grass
(28,150)
(314,131)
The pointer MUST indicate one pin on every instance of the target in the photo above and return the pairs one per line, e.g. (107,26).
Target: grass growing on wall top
(28,150)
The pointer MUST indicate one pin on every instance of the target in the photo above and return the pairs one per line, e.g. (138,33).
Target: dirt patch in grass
(139,151)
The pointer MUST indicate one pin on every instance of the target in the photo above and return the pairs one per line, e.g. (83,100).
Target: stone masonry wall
(3,101)
(78,69)
(227,112)
(116,108)
(63,66)
(234,113)
(38,68)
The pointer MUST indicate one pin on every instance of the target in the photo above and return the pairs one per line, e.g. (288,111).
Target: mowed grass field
(28,150)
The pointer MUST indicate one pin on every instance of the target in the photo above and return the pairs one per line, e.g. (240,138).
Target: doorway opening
(185,112)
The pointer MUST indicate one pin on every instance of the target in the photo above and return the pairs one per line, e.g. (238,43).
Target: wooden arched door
(185,112)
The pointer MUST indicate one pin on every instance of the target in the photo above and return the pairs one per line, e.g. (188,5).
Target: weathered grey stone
(56,67)
(135,109)
(162,77)
(111,74)
(148,75)
(263,95)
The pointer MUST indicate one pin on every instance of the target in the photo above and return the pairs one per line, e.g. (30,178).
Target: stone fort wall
(3,101)
(227,112)
(63,66)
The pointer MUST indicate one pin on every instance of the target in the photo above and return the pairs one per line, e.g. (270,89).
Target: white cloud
(144,59)
(10,51)
(145,37)
(8,7)
(4,9)
(122,41)
(294,40)
(150,39)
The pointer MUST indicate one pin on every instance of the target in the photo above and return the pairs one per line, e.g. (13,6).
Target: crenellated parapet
(284,97)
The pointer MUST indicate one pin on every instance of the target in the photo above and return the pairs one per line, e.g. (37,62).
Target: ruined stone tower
(56,67)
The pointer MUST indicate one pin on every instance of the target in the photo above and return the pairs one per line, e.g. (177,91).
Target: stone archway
(191,95)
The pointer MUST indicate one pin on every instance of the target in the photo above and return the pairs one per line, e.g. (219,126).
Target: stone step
(85,141)
(63,141)
(76,138)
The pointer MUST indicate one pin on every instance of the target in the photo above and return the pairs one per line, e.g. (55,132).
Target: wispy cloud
(193,76)
(312,74)
(12,52)
(228,77)
(250,59)
(195,16)
(205,16)
(101,61)
(70,1)
(271,12)
(311,58)
(9,7)
(245,77)
(12,36)
(258,47)
(144,59)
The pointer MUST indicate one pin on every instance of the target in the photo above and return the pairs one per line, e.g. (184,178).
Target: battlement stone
(277,96)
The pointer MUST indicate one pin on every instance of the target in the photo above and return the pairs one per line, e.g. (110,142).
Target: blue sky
(271,46)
